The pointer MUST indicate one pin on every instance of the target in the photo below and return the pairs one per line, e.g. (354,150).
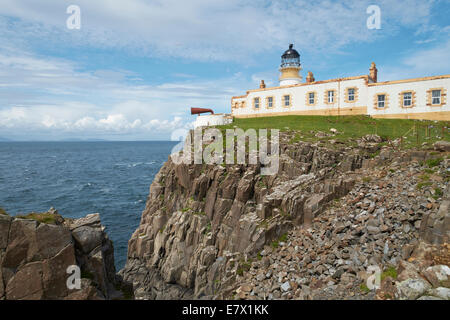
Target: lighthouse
(290,67)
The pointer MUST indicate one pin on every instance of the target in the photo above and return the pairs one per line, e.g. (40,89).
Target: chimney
(373,72)
(310,77)
(262,85)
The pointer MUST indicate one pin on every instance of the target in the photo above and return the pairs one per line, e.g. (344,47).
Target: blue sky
(135,67)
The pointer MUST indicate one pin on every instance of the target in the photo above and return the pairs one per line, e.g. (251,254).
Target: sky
(134,68)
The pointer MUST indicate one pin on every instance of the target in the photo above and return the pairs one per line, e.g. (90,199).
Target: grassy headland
(413,133)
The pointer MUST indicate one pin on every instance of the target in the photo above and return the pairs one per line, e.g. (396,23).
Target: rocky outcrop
(35,256)
(202,223)
(442,146)
(435,228)
(378,225)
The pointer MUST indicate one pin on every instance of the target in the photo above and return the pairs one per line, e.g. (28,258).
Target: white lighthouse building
(419,98)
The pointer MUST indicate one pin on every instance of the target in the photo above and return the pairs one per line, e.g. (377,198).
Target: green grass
(3,212)
(437,193)
(276,243)
(363,287)
(389,272)
(424,177)
(44,217)
(263,224)
(421,185)
(434,162)
(244,266)
(350,127)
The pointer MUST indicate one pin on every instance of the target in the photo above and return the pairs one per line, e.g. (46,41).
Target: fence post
(417,137)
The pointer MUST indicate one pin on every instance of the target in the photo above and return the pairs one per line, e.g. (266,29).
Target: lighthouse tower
(290,67)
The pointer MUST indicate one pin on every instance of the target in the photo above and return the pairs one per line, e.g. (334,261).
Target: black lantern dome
(290,58)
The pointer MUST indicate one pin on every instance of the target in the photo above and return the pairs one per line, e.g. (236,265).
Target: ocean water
(77,178)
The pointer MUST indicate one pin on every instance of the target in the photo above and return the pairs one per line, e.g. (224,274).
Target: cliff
(37,249)
(205,225)
(314,230)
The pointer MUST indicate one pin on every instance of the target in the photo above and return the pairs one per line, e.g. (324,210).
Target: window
(287,100)
(256,103)
(330,95)
(269,102)
(407,99)
(381,101)
(311,98)
(351,94)
(436,97)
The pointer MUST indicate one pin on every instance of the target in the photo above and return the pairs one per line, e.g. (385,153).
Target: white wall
(211,120)
(366,95)
(393,90)
(299,96)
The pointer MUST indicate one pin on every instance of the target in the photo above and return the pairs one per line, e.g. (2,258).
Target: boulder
(441,293)
(35,256)
(407,270)
(435,227)
(26,284)
(285,286)
(54,273)
(22,243)
(442,146)
(51,240)
(5,223)
(87,238)
(91,220)
(437,275)
(411,289)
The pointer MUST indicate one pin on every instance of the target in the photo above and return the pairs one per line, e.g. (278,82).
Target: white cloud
(46,94)
(212,30)
(55,97)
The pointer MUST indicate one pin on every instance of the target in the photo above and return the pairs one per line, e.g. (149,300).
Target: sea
(78,178)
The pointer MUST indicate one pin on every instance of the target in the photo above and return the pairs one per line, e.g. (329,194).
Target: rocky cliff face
(37,249)
(202,224)
(384,222)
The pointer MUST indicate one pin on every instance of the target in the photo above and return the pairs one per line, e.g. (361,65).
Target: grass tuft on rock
(3,212)
(363,287)
(434,162)
(45,217)
(389,272)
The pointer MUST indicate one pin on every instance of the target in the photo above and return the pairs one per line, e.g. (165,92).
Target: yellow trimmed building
(420,98)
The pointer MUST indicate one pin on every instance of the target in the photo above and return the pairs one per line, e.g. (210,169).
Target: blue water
(77,178)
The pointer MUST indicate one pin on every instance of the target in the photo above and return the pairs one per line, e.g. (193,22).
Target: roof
(291,53)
